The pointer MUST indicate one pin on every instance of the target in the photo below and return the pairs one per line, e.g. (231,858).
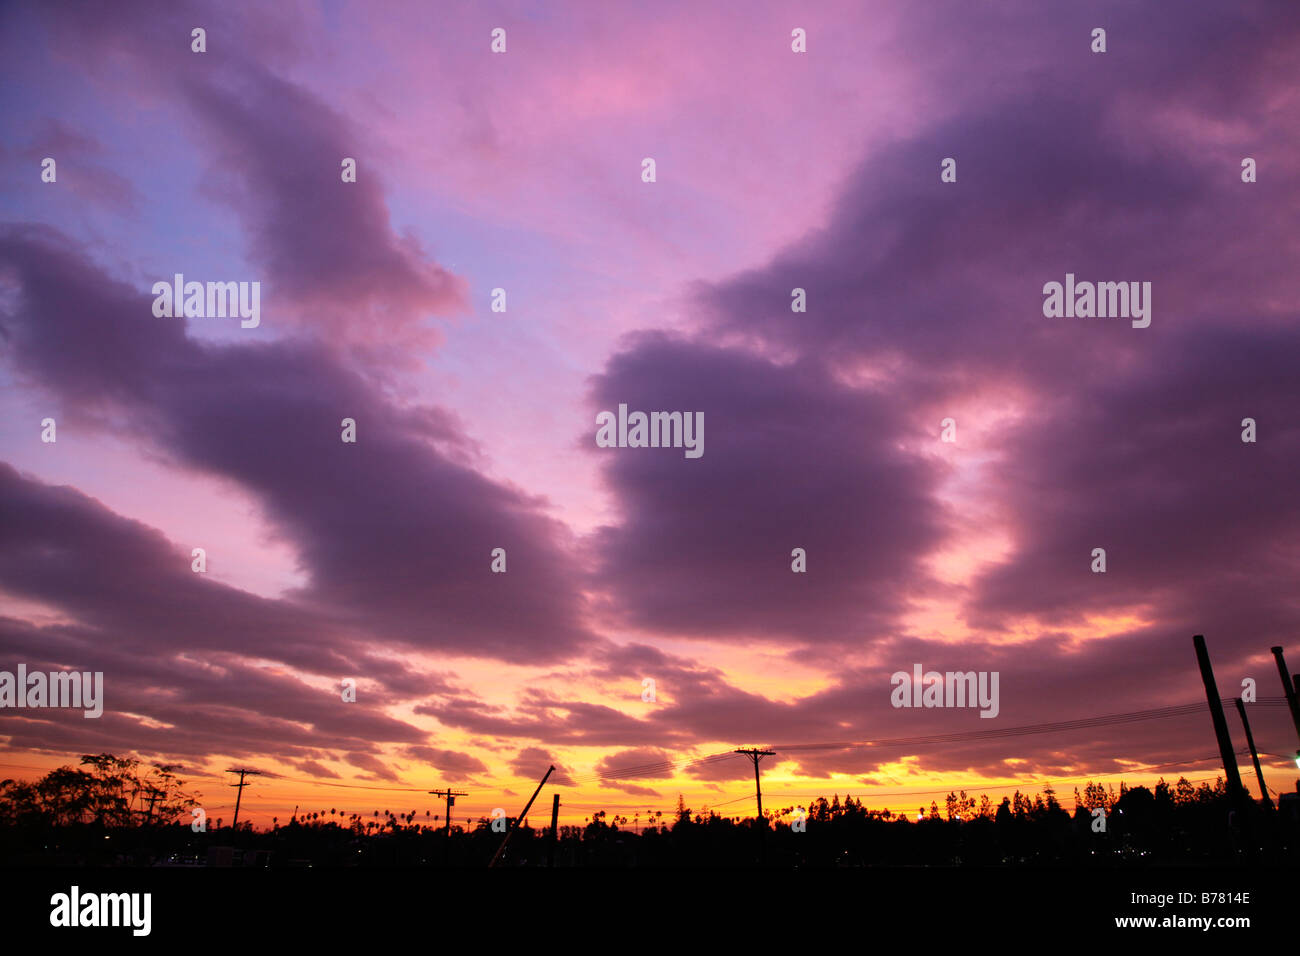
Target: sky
(826,427)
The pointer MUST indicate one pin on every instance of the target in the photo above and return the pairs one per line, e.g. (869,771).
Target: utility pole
(1254,756)
(555,820)
(1287,688)
(1236,793)
(754,754)
(450,795)
(154,794)
(240,792)
(511,831)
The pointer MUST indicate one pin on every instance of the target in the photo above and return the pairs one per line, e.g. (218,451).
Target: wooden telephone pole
(520,818)
(1288,688)
(1236,792)
(555,832)
(450,796)
(240,792)
(1254,755)
(754,754)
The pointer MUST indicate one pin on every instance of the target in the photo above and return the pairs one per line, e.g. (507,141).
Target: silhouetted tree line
(107,792)
(110,811)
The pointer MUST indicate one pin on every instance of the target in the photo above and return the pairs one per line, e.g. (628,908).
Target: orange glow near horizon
(911,787)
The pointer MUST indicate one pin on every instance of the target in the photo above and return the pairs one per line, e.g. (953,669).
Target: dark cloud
(377,768)
(546,717)
(532,763)
(791,461)
(396,531)
(632,788)
(326,249)
(316,769)
(451,764)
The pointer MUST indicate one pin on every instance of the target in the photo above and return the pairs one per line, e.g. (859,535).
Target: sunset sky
(775,170)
